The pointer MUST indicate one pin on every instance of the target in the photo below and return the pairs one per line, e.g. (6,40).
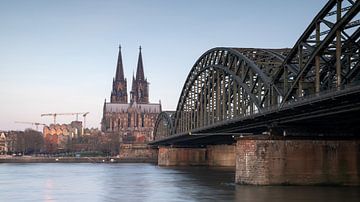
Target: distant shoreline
(30,159)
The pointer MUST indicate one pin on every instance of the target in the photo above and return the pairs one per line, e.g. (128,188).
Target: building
(11,143)
(3,143)
(57,136)
(133,121)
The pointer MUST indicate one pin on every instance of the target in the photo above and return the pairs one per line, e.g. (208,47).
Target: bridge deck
(313,116)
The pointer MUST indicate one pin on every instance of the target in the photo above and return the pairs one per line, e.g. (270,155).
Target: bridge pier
(265,160)
(173,156)
(221,155)
(212,155)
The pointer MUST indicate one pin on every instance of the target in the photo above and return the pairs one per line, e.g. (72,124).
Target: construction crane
(54,115)
(36,124)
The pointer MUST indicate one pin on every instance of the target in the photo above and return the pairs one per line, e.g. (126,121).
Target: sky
(60,56)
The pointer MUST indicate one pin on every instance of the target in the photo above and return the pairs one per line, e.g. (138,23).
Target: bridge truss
(238,90)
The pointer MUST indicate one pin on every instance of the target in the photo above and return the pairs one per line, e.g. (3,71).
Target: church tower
(119,91)
(140,90)
(133,121)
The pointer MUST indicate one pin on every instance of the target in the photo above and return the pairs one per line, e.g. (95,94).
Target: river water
(147,182)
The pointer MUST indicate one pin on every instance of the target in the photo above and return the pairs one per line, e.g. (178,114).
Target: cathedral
(133,121)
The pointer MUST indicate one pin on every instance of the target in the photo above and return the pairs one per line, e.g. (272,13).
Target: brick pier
(212,155)
(265,161)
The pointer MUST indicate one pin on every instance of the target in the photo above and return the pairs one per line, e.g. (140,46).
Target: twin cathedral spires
(139,91)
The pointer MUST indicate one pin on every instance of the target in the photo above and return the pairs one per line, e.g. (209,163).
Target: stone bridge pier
(264,160)
(275,160)
(211,155)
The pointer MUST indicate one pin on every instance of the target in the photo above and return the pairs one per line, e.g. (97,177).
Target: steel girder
(163,125)
(225,83)
(326,55)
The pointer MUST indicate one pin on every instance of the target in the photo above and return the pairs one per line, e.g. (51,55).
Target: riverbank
(31,159)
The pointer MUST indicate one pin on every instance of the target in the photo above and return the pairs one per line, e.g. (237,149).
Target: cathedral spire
(119,68)
(140,89)
(119,91)
(140,68)
(104,107)
(133,84)
(133,90)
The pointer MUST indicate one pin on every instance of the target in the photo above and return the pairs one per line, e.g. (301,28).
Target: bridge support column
(172,156)
(212,155)
(221,155)
(265,161)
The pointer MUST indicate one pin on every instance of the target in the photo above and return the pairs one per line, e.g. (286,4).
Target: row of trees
(108,144)
(33,142)
(26,142)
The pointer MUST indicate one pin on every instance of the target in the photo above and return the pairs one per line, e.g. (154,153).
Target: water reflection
(49,186)
(296,193)
(146,182)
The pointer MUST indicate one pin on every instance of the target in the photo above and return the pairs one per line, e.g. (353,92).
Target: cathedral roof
(116,107)
(143,108)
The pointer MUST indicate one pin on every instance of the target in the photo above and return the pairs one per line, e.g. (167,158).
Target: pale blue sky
(60,56)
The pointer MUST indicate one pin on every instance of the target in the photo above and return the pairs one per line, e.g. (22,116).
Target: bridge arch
(225,83)
(163,125)
(237,87)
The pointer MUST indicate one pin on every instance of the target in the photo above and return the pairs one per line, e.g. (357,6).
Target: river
(147,182)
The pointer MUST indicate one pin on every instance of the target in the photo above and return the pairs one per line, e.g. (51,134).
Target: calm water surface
(147,182)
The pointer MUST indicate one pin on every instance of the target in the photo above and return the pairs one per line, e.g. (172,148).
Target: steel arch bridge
(164,125)
(250,90)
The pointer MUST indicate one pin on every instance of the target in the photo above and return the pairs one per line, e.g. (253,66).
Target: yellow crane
(36,124)
(84,114)
(54,115)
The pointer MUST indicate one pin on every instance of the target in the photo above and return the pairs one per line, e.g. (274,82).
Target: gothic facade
(134,121)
